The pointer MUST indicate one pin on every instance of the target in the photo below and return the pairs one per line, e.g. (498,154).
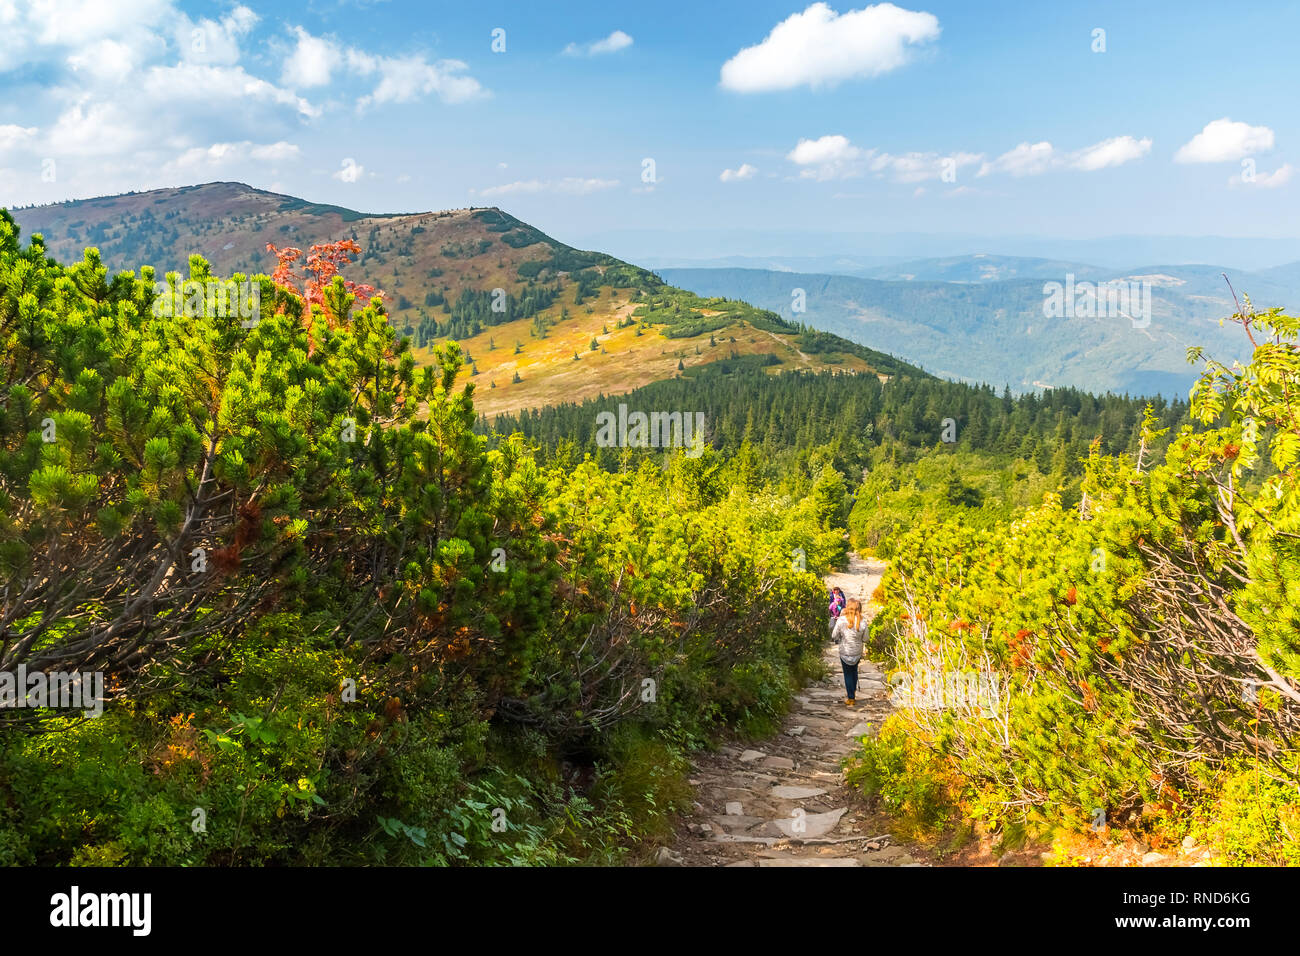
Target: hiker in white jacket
(850,634)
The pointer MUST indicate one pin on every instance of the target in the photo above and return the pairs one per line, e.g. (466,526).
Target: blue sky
(949,117)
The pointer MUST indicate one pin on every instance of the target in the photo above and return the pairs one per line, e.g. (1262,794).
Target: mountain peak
(541,321)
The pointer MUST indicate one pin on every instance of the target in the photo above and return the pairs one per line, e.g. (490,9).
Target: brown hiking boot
(848,702)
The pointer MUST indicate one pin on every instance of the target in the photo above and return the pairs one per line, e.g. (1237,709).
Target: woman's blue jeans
(850,679)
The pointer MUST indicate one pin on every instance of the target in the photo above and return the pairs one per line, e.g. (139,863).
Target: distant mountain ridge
(708,248)
(973,318)
(983,267)
(985,328)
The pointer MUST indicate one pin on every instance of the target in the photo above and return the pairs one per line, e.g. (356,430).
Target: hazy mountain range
(987,318)
(980,317)
(696,248)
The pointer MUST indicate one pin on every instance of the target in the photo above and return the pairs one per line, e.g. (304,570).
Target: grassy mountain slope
(441,272)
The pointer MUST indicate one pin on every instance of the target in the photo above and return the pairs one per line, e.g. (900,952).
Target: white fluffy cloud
(110,61)
(350,172)
(188,70)
(1027,159)
(821,48)
(123,91)
(745,171)
(398,79)
(131,84)
(311,63)
(204,84)
(12,135)
(1033,159)
(93,129)
(107,42)
(834,157)
(1223,140)
(213,41)
(570,185)
(618,40)
(202,158)
(828,157)
(273,152)
(919,167)
(1278,177)
(61,31)
(1115,151)
(406,78)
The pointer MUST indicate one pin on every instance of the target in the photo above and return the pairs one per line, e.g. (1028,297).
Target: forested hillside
(1143,633)
(1123,572)
(336,627)
(539,320)
(349,613)
(853,419)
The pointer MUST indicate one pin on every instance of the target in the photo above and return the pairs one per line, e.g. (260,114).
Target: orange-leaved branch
(322,264)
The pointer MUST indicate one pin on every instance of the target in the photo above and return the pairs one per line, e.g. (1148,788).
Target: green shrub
(1254,820)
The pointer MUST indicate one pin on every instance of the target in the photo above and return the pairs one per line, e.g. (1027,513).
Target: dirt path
(784,802)
(807,359)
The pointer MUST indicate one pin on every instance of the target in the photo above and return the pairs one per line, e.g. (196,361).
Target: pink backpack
(837,605)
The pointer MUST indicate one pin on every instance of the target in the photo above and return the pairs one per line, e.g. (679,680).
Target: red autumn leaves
(1021,649)
(313,282)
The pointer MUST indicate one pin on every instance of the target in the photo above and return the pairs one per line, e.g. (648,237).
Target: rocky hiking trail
(748,800)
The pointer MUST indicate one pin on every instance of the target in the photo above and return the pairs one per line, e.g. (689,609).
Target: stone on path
(740,822)
(795,731)
(743,838)
(749,756)
(778,763)
(734,809)
(811,825)
(820,723)
(666,857)
(796,793)
(814,710)
(860,729)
